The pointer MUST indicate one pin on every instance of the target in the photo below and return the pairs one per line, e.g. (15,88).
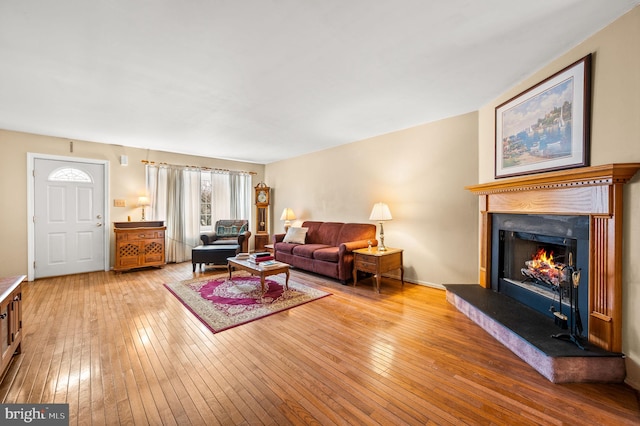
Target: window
(205,200)
(69,174)
(223,195)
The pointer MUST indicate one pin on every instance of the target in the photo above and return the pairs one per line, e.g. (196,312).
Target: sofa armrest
(277,238)
(355,245)
(208,237)
(243,241)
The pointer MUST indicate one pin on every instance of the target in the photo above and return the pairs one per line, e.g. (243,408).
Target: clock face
(262,197)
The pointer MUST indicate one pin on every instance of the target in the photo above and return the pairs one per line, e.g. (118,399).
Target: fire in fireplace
(543,269)
(533,258)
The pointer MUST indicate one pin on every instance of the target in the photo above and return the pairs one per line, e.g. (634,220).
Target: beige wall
(125,183)
(615,139)
(420,173)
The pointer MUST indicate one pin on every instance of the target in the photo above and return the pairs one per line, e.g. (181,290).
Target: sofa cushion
(356,232)
(295,235)
(312,233)
(329,254)
(284,247)
(306,250)
(328,233)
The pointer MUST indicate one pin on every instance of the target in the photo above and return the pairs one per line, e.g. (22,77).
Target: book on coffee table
(270,264)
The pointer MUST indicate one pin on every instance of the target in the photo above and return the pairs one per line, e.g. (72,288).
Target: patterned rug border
(176,288)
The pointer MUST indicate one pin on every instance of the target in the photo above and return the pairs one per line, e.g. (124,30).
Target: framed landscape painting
(546,127)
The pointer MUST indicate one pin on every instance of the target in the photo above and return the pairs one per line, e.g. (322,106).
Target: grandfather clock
(262,216)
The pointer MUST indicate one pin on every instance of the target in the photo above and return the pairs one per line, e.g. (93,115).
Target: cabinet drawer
(365,263)
(139,235)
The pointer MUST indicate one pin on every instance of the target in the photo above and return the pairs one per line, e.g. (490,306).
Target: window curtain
(231,195)
(240,186)
(174,193)
(220,197)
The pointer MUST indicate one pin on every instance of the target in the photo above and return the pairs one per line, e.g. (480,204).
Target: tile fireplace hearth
(593,193)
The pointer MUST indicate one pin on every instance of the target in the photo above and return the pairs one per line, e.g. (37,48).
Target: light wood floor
(120,349)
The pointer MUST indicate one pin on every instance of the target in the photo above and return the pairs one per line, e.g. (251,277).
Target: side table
(377,262)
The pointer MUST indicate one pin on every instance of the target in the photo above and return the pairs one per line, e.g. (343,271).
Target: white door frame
(31,249)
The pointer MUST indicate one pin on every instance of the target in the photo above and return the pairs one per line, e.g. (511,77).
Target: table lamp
(287,215)
(143,202)
(380,213)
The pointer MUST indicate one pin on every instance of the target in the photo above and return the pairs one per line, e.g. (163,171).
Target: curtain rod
(215,169)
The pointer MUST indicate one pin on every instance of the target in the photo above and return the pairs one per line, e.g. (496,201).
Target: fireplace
(593,194)
(574,216)
(531,258)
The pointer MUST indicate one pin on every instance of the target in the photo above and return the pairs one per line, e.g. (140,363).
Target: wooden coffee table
(258,271)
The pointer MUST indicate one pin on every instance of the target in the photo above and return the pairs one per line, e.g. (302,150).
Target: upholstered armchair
(228,232)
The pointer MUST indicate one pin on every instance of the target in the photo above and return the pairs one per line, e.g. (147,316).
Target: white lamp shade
(288,214)
(380,212)
(143,201)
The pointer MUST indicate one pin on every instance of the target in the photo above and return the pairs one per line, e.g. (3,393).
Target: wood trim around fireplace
(594,191)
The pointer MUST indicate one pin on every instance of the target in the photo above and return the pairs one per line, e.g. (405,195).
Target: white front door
(69,217)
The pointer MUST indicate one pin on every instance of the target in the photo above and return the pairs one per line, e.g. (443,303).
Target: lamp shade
(380,212)
(143,201)
(288,214)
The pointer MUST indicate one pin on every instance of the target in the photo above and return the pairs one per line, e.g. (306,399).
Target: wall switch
(119,203)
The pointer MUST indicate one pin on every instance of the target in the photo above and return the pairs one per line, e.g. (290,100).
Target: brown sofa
(327,248)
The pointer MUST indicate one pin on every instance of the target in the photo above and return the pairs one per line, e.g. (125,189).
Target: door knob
(99,224)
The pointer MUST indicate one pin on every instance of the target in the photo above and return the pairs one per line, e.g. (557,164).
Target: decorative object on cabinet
(262,216)
(546,127)
(143,202)
(287,215)
(139,244)
(381,213)
(10,320)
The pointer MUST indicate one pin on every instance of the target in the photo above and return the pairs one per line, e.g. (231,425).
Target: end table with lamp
(377,262)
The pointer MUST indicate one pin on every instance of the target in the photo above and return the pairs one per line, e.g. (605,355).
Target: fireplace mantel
(594,191)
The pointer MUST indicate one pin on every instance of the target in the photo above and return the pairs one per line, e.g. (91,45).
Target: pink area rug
(221,303)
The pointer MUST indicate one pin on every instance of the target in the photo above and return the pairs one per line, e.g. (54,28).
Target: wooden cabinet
(139,244)
(10,319)
(261,240)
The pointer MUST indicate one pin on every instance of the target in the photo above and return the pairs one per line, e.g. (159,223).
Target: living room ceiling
(265,80)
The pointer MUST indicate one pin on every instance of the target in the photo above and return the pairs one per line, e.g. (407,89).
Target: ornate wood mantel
(593,191)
